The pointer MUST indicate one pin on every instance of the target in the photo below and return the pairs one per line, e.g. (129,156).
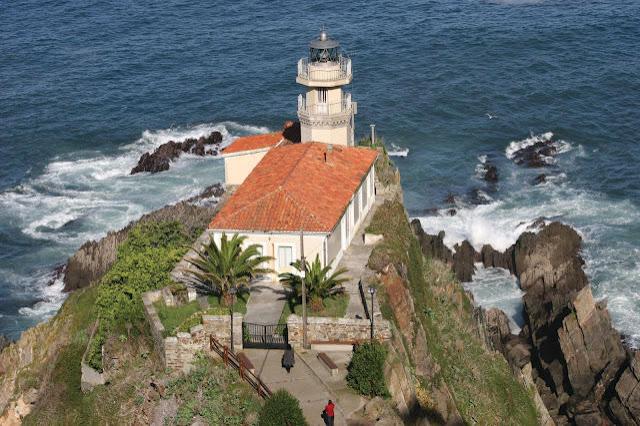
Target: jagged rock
(625,403)
(161,158)
(450,199)
(463,261)
(576,353)
(535,156)
(492,258)
(490,173)
(498,330)
(4,342)
(452,212)
(541,178)
(432,245)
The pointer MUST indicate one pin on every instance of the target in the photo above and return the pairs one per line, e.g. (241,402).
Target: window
(322,95)
(285,257)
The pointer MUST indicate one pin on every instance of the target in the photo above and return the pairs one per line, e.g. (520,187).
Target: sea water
(87,87)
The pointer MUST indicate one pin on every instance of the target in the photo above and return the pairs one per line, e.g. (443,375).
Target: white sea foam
(497,288)
(83,196)
(612,259)
(516,146)
(397,151)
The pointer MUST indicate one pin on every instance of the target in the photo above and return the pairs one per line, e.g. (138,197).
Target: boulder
(536,155)
(490,173)
(161,158)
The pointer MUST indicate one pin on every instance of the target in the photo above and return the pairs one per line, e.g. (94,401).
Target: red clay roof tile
(253,142)
(293,188)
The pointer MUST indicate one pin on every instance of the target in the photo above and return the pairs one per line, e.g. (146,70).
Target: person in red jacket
(328,413)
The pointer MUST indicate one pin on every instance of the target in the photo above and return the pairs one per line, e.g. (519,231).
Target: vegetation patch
(332,306)
(143,263)
(214,394)
(281,409)
(181,318)
(366,370)
(482,384)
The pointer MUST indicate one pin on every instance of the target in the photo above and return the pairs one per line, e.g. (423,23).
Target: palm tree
(219,268)
(319,283)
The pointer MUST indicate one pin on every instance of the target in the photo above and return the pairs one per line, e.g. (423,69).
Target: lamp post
(232,292)
(304,291)
(372,292)
(373,134)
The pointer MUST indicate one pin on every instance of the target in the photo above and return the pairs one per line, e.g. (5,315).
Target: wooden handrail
(230,358)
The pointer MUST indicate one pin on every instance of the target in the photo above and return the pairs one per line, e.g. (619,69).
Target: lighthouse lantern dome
(324,49)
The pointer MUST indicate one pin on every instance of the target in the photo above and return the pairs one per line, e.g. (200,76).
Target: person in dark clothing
(329,414)
(288,359)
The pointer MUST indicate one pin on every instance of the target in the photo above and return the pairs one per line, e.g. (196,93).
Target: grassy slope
(482,384)
(125,399)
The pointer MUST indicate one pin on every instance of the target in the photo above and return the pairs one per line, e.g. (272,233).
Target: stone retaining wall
(336,330)
(178,352)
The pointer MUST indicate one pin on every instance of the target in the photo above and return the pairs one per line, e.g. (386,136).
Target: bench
(328,362)
(246,362)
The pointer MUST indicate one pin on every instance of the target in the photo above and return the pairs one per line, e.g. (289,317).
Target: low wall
(321,330)
(178,352)
(89,376)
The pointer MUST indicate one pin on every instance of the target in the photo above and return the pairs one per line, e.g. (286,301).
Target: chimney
(327,152)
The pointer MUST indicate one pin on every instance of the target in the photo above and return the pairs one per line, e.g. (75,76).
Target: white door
(284,258)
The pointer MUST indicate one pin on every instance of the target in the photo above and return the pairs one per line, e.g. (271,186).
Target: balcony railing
(324,71)
(330,108)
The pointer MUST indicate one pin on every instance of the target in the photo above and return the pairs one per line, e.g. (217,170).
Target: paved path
(266,302)
(355,259)
(309,381)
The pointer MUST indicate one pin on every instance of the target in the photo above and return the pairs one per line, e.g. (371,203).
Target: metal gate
(261,336)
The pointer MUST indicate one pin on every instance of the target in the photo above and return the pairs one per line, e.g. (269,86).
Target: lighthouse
(325,111)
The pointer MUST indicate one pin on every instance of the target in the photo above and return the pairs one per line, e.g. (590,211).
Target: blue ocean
(86,87)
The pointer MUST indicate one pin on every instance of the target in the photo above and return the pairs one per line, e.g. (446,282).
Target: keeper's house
(321,190)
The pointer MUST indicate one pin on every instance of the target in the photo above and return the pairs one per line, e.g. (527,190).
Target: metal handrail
(230,358)
(364,300)
(309,71)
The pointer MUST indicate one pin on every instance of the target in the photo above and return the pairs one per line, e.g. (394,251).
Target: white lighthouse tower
(326,113)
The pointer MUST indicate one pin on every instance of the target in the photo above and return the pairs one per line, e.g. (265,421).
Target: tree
(219,268)
(320,284)
(280,409)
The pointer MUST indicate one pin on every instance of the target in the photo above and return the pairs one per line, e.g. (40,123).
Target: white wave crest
(516,146)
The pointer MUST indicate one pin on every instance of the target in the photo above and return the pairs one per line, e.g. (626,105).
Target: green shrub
(143,263)
(281,409)
(214,393)
(366,370)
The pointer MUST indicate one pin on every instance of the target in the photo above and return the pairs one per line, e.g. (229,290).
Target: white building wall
(315,244)
(238,166)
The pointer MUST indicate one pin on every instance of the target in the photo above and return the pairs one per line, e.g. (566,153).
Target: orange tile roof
(253,142)
(293,188)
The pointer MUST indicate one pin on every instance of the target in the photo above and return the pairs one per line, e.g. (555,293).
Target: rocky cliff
(580,366)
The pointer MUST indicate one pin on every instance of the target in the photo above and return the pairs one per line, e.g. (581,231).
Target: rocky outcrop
(489,173)
(160,159)
(463,261)
(578,358)
(537,154)
(94,258)
(432,245)
(4,342)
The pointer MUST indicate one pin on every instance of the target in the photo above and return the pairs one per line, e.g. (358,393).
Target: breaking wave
(607,225)
(83,196)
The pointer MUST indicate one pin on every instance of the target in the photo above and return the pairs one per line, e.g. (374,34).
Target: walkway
(266,302)
(355,259)
(310,382)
